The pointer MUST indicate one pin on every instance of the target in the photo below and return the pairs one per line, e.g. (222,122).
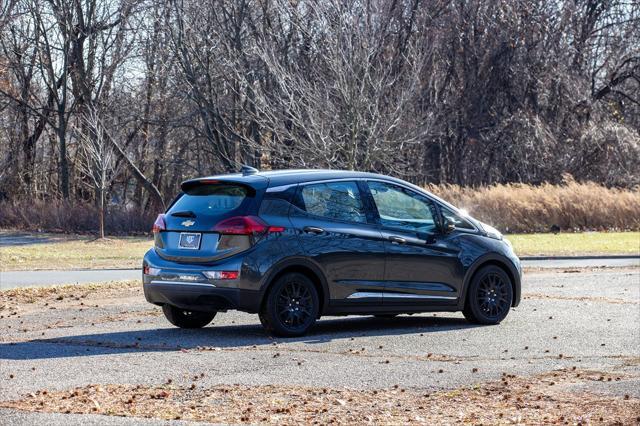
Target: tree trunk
(64,164)
(102,213)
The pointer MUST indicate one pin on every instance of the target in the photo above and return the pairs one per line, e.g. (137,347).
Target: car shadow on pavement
(220,337)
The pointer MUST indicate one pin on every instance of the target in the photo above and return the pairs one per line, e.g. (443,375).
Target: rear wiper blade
(187,213)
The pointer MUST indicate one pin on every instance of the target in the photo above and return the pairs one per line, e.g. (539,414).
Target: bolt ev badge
(188,223)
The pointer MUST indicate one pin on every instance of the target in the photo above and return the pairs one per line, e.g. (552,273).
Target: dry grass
(76,252)
(544,399)
(572,206)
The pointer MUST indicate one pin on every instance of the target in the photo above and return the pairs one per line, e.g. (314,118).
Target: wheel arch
(305,267)
(503,263)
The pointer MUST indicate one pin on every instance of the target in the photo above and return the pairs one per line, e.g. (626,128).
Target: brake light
(245,225)
(159,224)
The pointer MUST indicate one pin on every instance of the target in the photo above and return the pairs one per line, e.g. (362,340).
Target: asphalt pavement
(14,279)
(587,319)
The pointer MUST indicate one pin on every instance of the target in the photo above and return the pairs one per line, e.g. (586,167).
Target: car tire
(187,319)
(291,306)
(489,297)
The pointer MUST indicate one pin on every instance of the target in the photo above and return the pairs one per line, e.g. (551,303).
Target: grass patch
(75,252)
(79,252)
(571,244)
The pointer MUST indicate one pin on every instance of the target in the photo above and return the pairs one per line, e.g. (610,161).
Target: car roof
(287,177)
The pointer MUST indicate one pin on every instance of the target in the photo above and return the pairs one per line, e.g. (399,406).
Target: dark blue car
(293,245)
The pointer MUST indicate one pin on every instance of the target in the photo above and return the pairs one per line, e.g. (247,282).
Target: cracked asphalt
(588,319)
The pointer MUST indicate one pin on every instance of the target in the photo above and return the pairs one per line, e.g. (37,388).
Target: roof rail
(248,170)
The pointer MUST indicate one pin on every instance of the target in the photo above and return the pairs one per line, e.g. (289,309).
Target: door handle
(313,230)
(397,240)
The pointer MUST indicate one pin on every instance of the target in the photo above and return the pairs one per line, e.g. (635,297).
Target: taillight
(245,225)
(222,275)
(159,224)
(148,270)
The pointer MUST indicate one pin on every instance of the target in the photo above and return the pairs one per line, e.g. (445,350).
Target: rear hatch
(209,221)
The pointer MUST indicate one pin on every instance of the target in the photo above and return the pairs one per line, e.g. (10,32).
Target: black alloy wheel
(493,295)
(489,297)
(291,307)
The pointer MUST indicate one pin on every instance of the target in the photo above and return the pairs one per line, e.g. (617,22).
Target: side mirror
(448,225)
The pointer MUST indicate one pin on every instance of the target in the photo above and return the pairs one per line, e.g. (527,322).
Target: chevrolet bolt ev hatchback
(294,245)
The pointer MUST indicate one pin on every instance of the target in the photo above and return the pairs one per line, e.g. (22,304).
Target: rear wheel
(291,307)
(489,297)
(187,319)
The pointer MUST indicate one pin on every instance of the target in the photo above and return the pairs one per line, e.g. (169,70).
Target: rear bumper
(186,287)
(200,297)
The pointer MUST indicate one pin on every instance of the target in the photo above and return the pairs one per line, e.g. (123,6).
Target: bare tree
(467,92)
(97,158)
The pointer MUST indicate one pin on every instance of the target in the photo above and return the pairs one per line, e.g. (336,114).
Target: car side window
(401,208)
(334,200)
(460,222)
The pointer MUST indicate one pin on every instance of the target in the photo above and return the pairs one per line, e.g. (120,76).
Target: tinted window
(334,200)
(211,200)
(460,222)
(401,208)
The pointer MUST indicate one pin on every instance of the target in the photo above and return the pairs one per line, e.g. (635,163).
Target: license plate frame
(185,244)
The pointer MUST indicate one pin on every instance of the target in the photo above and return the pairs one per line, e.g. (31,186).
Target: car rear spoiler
(252,182)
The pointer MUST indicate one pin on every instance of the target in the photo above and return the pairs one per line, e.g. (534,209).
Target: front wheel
(291,307)
(187,319)
(489,297)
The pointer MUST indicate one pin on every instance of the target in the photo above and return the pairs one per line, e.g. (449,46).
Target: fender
(296,261)
(495,258)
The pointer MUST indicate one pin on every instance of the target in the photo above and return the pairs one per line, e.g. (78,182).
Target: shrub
(60,216)
(571,206)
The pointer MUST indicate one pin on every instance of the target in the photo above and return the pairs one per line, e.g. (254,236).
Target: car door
(422,265)
(335,230)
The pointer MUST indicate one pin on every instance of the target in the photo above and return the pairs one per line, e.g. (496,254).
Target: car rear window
(211,200)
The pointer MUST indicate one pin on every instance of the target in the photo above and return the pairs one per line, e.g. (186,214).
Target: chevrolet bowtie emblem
(188,223)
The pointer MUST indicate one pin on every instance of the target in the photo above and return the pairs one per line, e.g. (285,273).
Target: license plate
(189,240)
